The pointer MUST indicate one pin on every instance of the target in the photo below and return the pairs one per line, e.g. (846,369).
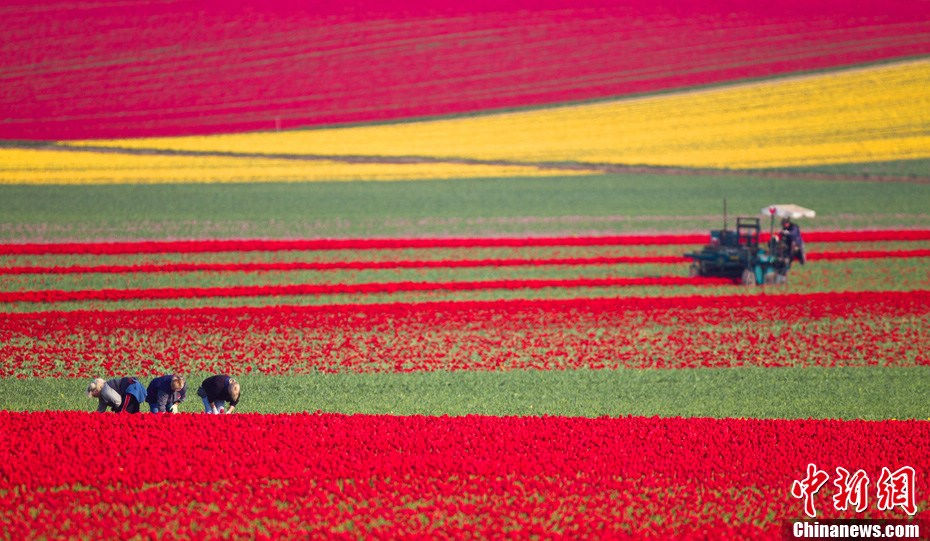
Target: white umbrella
(788,211)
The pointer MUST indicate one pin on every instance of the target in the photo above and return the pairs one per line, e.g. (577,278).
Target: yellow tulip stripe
(35,166)
(863,115)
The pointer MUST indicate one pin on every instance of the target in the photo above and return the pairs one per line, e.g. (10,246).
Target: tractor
(740,254)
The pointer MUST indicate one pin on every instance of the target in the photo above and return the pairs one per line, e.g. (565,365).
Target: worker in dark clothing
(792,235)
(217,391)
(117,394)
(165,393)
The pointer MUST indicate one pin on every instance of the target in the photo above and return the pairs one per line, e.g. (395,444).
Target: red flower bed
(825,329)
(324,474)
(868,254)
(144,68)
(55,295)
(255,245)
(247,245)
(347,265)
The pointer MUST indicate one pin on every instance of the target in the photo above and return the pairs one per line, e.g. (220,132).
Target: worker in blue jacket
(165,393)
(118,394)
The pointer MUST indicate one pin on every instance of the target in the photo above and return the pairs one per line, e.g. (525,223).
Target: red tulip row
(56,295)
(249,245)
(868,254)
(246,245)
(417,264)
(384,476)
(383,61)
(280,266)
(825,329)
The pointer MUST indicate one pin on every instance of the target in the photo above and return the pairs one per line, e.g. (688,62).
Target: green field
(821,393)
(594,205)
(597,205)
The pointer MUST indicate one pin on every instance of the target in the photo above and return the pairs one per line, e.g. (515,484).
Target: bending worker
(165,393)
(216,391)
(117,394)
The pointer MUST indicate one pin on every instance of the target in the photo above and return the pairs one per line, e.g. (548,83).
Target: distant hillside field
(185,67)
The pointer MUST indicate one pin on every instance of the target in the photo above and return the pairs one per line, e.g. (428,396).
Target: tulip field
(384,476)
(534,401)
(208,67)
(442,247)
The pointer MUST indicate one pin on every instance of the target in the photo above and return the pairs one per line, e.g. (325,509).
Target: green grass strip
(786,393)
(898,168)
(602,204)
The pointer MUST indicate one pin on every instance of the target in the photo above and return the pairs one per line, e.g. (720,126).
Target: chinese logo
(893,489)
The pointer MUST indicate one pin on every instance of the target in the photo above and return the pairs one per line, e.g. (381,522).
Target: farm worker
(165,393)
(216,391)
(118,394)
(792,233)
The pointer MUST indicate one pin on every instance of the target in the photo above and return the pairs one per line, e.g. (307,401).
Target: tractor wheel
(748,278)
(695,270)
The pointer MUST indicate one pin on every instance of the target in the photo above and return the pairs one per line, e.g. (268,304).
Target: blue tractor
(739,254)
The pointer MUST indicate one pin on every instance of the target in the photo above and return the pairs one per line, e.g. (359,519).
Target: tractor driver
(792,235)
